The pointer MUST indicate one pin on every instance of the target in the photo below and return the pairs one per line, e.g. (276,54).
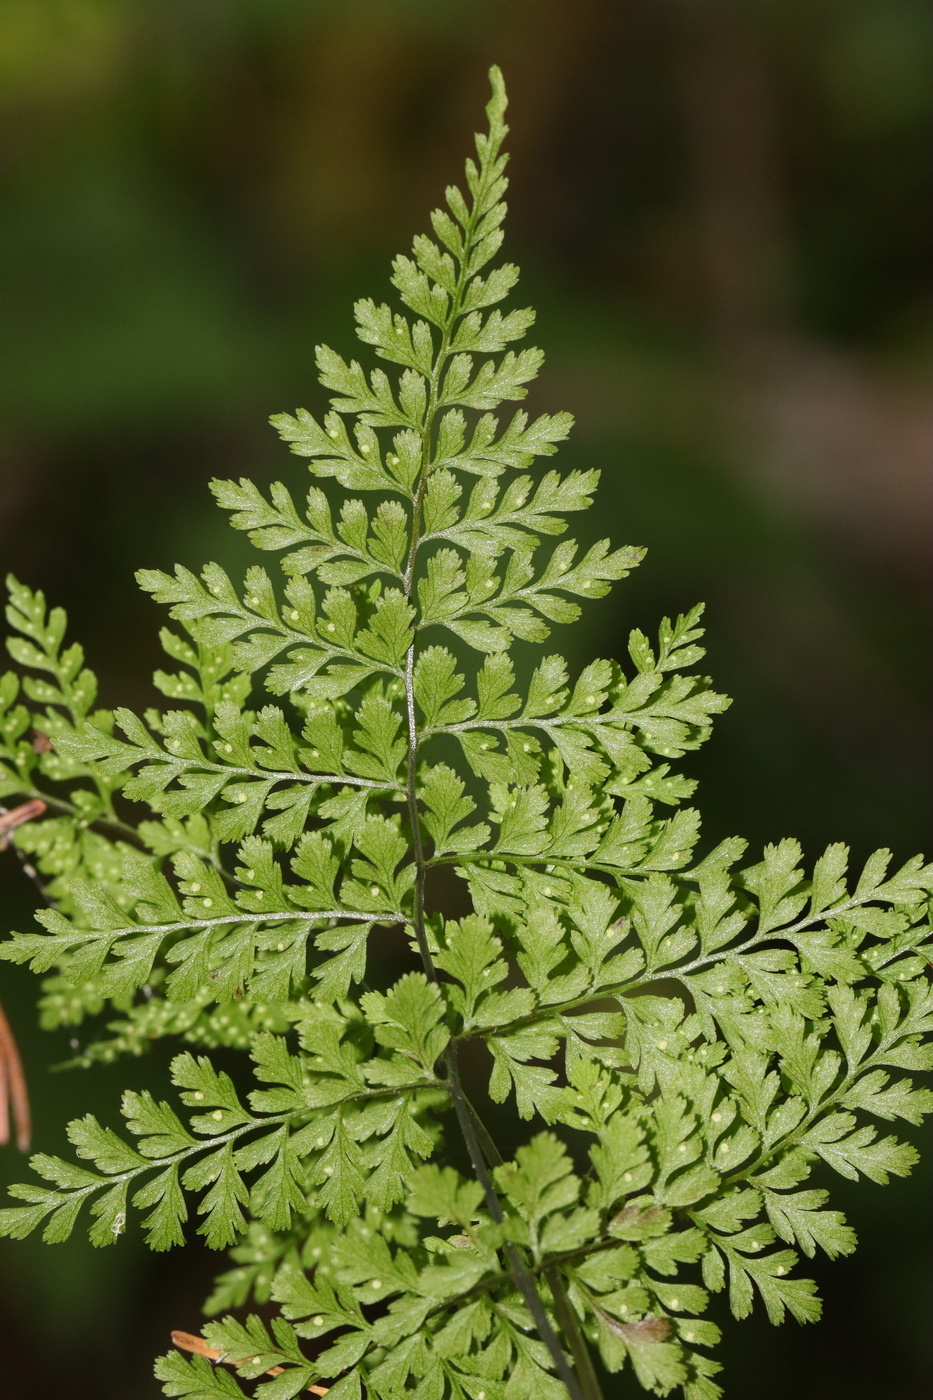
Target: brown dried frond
(185,1341)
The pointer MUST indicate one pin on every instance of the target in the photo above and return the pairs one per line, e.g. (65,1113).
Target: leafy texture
(683,1042)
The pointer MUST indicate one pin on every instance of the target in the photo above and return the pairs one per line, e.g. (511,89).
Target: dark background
(721,210)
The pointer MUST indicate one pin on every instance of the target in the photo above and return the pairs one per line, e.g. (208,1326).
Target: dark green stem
(524,1281)
(590,1387)
(573,1335)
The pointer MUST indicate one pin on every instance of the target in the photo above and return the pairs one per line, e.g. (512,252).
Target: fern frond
(681,1039)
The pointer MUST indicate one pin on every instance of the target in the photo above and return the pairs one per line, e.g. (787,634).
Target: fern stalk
(523,1279)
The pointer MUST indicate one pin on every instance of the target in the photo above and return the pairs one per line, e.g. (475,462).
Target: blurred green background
(721,210)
